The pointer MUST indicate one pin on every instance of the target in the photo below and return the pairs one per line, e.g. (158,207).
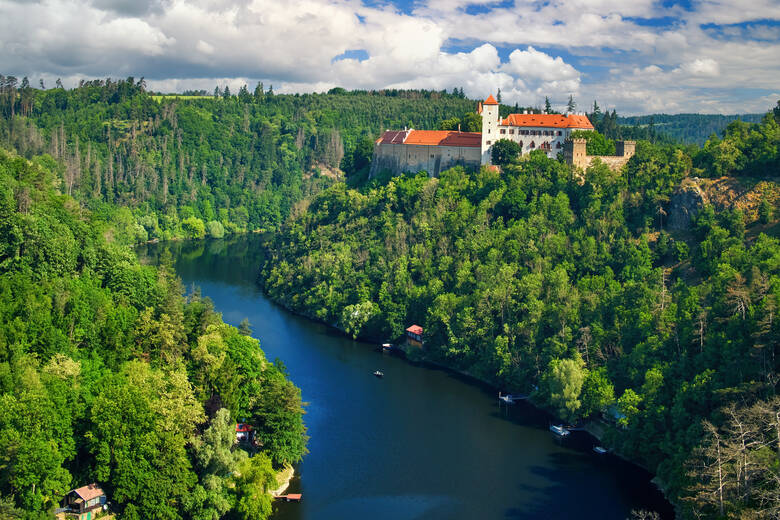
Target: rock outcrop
(685,204)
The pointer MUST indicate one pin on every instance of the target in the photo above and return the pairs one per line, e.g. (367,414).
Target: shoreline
(595,427)
(283,478)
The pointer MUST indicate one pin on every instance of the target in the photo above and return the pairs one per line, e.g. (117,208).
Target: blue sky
(643,56)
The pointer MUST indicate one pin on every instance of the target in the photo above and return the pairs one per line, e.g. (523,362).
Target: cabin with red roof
(245,433)
(414,336)
(84,503)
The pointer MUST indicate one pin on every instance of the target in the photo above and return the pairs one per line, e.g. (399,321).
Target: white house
(531,131)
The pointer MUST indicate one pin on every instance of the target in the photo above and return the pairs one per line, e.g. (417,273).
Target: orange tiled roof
(415,329)
(490,100)
(548,120)
(432,138)
(89,492)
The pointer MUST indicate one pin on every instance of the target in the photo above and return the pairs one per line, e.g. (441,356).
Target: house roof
(392,137)
(243,427)
(432,138)
(88,492)
(490,100)
(415,329)
(548,120)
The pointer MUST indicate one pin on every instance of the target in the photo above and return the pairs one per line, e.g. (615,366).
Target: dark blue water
(419,443)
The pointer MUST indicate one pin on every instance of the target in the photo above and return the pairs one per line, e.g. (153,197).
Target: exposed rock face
(685,204)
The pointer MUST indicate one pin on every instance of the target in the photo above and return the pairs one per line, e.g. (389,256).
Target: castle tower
(575,152)
(490,122)
(625,148)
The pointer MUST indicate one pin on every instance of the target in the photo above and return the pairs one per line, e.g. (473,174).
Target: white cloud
(706,67)
(591,48)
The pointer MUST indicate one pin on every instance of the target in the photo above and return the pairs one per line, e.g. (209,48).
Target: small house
(245,433)
(414,336)
(84,503)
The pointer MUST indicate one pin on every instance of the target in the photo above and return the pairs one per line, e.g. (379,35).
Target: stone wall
(575,153)
(399,158)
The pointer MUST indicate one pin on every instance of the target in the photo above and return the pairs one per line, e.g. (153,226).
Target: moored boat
(378,373)
(559,430)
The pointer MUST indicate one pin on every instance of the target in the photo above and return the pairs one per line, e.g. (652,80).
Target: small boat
(508,399)
(386,347)
(559,430)
(600,450)
(377,373)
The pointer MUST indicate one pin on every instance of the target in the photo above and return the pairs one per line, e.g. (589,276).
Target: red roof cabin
(245,433)
(84,503)
(414,336)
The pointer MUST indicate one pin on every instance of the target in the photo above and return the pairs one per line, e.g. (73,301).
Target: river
(419,443)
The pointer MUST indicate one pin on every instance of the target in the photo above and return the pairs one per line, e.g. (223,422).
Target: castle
(437,150)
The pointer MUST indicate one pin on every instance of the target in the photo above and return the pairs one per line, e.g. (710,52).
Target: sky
(636,56)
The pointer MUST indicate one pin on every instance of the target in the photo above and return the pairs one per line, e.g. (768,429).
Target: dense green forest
(540,281)
(109,374)
(204,165)
(688,128)
(534,279)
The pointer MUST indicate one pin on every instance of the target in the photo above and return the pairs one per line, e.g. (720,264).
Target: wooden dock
(290,497)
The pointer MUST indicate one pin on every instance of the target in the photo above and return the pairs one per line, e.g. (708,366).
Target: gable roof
(88,492)
(491,100)
(415,329)
(432,138)
(548,120)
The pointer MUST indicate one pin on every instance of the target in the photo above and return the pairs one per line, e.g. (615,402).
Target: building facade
(547,132)
(429,150)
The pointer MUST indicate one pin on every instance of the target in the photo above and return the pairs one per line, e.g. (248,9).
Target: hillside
(203,165)
(572,289)
(108,374)
(688,128)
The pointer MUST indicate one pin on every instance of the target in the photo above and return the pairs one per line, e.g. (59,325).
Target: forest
(109,374)
(688,128)
(570,288)
(195,166)
(567,285)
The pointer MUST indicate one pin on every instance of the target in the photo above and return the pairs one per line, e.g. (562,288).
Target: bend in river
(419,443)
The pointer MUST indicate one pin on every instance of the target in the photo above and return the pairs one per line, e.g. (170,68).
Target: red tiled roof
(431,138)
(415,329)
(242,427)
(491,100)
(89,492)
(392,137)
(548,120)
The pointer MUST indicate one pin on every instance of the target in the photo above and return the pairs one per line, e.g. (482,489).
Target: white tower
(490,122)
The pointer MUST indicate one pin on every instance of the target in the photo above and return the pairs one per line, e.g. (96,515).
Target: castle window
(559,145)
(532,145)
(560,133)
(488,142)
(503,131)
(511,131)
(521,144)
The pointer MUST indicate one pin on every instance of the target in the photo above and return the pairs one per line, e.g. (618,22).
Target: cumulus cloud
(638,56)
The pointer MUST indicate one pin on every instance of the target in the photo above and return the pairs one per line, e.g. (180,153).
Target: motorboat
(378,373)
(559,430)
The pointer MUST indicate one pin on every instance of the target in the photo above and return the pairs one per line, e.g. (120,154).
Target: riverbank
(372,445)
(283,478)
(595,428)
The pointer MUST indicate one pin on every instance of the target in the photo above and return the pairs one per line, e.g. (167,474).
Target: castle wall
(399,158)
(575,153)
